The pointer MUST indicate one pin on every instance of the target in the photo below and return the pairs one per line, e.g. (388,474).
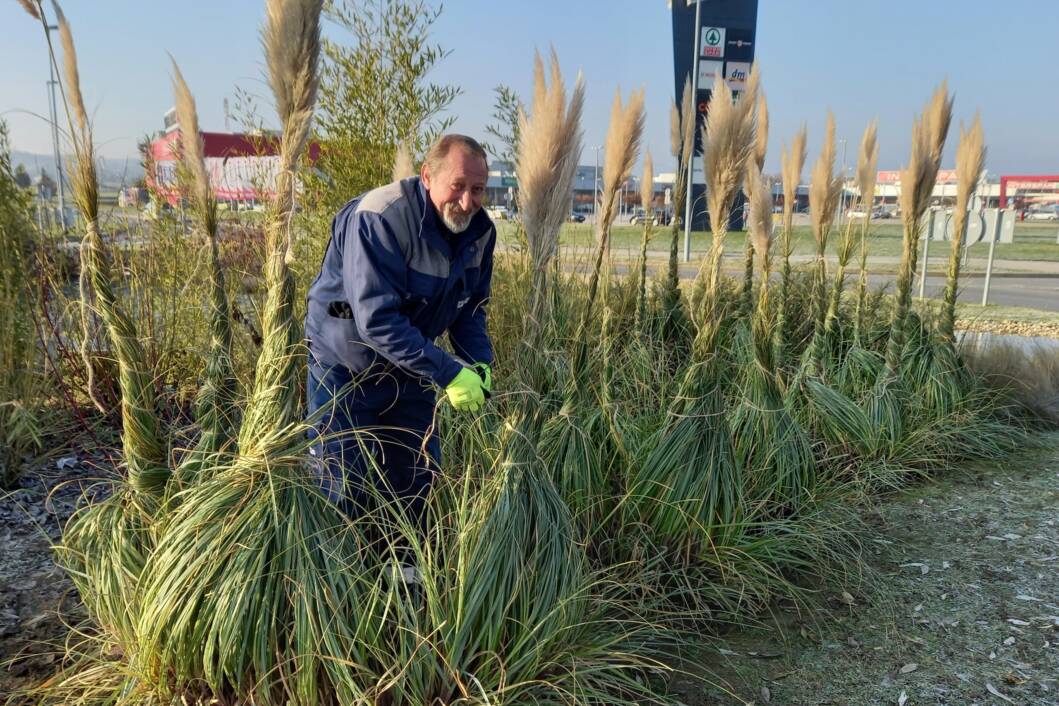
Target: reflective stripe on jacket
(391,283)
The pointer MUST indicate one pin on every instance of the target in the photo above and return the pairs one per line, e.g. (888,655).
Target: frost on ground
(37,599)
(963,607)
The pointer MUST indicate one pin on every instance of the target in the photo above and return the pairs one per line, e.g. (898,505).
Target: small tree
(374,95)
(506,130)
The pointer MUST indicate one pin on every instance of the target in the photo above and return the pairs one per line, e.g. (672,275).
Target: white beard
(455,220)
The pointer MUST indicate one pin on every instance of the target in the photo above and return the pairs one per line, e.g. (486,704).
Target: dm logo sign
(711,45)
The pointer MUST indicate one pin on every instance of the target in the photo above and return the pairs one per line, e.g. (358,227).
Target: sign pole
(695,117)
(992,247)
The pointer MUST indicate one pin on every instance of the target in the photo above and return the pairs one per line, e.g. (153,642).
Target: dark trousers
(369,439)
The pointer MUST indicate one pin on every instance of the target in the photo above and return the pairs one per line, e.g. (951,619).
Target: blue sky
(860,59)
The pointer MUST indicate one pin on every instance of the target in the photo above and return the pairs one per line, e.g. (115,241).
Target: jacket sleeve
(374,282)
(468,333)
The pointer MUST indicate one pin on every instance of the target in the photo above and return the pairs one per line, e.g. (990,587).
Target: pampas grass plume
(29,7)
(729,142)
(867,164)
(403,166)
(824,188)
(621,149)
(647,184)
(192,152)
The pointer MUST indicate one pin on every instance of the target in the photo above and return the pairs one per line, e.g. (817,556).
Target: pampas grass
(970,160)
(647,195)
(792,162)
(867,165)
(548,155)
(144,450)
(215,404)
(403,166)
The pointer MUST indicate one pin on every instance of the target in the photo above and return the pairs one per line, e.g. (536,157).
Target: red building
(241,168)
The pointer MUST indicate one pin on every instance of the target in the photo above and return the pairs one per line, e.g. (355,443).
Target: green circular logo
(713,37)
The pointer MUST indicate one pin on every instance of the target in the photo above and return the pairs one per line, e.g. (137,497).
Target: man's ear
(424,174)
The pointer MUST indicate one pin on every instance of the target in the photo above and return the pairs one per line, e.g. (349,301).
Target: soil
(963,607)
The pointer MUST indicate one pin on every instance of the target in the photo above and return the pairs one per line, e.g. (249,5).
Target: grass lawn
(1032,241)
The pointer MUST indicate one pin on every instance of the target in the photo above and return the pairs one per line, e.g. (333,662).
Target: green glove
(465,391)
(486,373)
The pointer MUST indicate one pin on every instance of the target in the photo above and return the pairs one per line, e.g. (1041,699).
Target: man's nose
(466,201)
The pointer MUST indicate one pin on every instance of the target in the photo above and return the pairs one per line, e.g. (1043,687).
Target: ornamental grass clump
(772,448)
(687,490)
(586,425)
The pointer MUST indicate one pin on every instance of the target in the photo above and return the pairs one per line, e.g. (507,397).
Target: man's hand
(486,373)
(465,392)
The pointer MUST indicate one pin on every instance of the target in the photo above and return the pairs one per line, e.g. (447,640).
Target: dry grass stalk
(792,163)
(761,133)
(687,118)
(547,159)
(622,146)
(647,195)
(192,153)
(728,143)
(647,183)
(970,159)
(867,165)
(825,187)
(291,38)
(403,166)
(751,181)
(31,8)
(760,231)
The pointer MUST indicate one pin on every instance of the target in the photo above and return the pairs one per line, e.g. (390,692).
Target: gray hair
(440,150)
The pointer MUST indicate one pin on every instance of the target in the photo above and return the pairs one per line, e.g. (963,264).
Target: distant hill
(113,173)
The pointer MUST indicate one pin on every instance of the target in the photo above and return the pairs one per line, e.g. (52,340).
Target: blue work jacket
(391,283)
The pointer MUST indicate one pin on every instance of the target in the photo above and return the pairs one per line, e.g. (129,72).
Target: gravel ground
(37,599)
(964,607)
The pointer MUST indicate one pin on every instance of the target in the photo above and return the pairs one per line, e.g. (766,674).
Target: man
(406,263)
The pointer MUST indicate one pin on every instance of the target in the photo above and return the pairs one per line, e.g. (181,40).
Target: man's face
(457,189)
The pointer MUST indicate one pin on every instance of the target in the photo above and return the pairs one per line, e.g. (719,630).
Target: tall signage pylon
(710,38)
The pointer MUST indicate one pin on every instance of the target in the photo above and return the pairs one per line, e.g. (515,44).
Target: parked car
(640,216)
(498,213)
(1043,214)
(576,217)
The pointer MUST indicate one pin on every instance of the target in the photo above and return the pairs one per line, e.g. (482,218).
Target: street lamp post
(694,116)
(595,183)
(53,110)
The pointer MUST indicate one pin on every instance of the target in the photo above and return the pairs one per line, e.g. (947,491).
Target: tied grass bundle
(825,188)
(917,184)
(144,449)
(761,141)
(622,146)
(215,403)
(792,161)
(682,142)
(291,38)
(647,193)
(687,489)
(867,164)
(772,448)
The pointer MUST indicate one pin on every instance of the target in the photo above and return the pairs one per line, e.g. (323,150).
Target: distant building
(242,168)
